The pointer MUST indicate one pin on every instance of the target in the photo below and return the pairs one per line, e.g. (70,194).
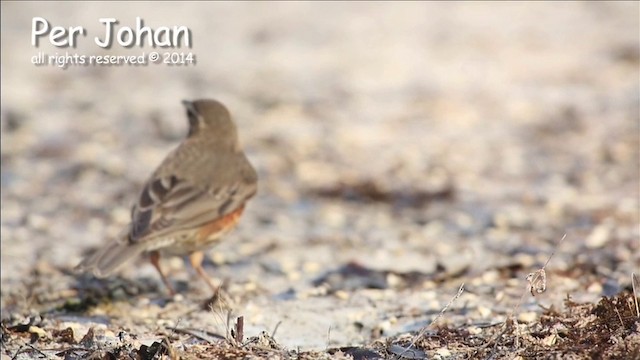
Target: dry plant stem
(635,292)
(273,333)
(538,279)
(444,309)
(171,352)
(219,310)
(201,334)
(228,325)
(515,321)
(173,330)
(20,351)
(424,329)
(619,317)
(239,329)
(554,250)
(535,280)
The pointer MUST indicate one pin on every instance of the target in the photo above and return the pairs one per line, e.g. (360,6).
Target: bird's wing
(168,204)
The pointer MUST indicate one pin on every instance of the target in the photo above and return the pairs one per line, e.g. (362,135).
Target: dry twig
(634,280)
(423,331)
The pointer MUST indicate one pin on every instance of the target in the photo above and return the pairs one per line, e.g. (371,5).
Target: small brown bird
(194,197)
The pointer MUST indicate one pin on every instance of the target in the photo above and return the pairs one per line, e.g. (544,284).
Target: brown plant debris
(609,329)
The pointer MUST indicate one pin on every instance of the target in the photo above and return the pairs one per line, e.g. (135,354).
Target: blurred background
(456,141)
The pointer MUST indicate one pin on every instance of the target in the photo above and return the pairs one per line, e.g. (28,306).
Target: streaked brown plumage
(194,197)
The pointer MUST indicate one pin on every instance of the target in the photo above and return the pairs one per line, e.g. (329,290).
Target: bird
(193,198)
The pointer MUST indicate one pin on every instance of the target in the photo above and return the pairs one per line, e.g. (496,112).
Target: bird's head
(210,118)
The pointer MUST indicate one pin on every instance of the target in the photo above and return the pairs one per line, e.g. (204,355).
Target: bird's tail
(110,258)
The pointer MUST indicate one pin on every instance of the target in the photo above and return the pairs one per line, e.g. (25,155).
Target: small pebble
(599,237)
(527,317)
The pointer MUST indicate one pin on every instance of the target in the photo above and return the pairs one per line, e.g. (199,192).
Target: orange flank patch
(218,227)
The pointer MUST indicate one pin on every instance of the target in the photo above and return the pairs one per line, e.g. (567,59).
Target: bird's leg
(196,262)
(154,257)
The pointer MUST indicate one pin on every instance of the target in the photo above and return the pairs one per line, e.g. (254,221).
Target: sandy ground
(402,149)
